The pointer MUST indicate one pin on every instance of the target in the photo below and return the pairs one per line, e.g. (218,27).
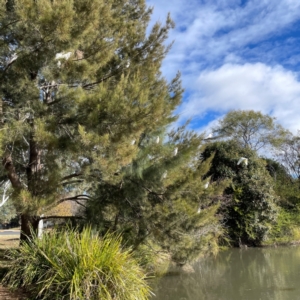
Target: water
(247,274)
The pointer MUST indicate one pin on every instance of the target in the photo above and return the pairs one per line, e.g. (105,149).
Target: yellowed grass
(9,241)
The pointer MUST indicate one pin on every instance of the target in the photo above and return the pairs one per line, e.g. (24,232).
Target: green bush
(72,265)
(287,228)
(252,210)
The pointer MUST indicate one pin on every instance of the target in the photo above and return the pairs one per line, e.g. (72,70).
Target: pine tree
(161,198)
(84,117)
(80,81)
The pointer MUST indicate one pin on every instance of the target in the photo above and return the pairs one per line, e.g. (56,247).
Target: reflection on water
(252,274)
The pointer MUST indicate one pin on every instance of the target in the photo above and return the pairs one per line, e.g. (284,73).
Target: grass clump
(72,265)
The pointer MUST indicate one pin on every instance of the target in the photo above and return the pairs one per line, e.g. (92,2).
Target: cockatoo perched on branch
(175,151)
(12,58)
(243,160)
(206,185)
(62,55)
(157,140)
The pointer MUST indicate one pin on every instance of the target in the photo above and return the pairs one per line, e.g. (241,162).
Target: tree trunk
(29,227)
(30,223)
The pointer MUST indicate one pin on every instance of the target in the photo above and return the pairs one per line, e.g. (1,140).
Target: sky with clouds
(234,54)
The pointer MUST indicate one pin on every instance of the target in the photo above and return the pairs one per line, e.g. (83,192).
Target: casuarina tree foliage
(84,117)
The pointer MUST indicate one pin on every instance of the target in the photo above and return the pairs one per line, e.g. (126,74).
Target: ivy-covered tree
(249,214)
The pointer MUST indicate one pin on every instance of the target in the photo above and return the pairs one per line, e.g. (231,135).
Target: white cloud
(271,90)
(210,31)
(213,44)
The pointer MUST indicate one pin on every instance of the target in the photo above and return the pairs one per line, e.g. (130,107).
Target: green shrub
(72,265)
(287,228)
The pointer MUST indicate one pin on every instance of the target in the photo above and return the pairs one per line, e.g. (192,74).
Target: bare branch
(4,197)
(74,198)
(71,176)
(12,174)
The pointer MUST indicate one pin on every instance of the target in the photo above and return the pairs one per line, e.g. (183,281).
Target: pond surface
(238,274)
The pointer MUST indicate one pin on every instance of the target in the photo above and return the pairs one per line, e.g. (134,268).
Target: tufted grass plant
(77,266)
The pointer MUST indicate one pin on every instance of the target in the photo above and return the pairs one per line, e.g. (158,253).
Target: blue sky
(234,54)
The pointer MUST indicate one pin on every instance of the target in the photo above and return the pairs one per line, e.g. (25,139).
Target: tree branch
(160,196)
(11,172)
(4,197)
(71,176)
(74,198)
(73,181)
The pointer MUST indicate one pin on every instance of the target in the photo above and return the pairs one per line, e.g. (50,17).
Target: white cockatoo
(243,160)
(199,210)
(63,55)
(206,185)
(209,136)
(40,227)
(175,151)
(133,142)
(157,140)
(12,58)
(164,176)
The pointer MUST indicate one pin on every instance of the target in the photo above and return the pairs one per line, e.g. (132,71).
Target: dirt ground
(5,294)
(7,242)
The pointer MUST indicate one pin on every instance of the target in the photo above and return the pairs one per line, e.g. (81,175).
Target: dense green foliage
(286,187)
(286,230)
(157,199)
(252,209)
(69,265)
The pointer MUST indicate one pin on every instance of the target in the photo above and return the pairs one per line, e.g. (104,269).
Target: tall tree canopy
(84,113)
(250,129)
(80,81)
